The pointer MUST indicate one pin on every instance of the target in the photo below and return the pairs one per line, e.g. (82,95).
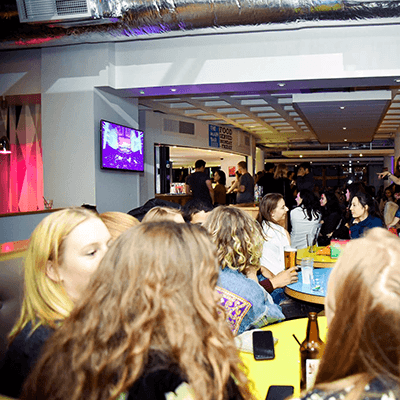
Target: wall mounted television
(121,147)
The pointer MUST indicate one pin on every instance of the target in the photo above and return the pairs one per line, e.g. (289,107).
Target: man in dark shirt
(246,188)
(267,180)
(200,184)
(305,178)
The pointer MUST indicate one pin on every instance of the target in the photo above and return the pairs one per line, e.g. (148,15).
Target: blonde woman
(362,354)
(148,327)
(159,213)
(118,222)
(239,241)
(64,250)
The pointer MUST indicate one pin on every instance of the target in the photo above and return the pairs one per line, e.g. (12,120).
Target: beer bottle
(311,351)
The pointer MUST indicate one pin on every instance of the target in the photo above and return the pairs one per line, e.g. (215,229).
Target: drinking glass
(307,270)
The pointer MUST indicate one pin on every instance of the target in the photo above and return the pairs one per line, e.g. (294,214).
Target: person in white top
(273,211)
(305,218)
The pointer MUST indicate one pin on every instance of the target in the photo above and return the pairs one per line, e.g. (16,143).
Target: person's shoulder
(160,377)
(231,278)
(317,394)
(372,222)
(30,341)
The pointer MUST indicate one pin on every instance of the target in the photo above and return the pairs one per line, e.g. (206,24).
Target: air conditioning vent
(53,10)
(71,7)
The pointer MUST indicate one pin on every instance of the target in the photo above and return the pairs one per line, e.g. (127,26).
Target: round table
(319,261)
(310,292)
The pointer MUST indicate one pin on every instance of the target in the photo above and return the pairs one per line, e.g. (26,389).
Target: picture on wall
(231,171)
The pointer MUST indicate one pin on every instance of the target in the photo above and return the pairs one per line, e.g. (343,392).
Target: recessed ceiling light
(173,90)
(301,156)
(397,80)
(281,84)
(344,128)
(345,140)
(360,154)
(342,107)
(141,92)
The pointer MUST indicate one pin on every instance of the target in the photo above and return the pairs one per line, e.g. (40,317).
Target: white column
(259,160)
(396,148)
(387,163)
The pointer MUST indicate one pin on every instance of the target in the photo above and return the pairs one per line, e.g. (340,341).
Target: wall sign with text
(220,136)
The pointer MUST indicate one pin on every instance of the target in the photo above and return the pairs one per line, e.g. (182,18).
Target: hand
(381,175)
(284,278)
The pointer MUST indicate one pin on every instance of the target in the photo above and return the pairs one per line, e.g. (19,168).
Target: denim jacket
(261,309)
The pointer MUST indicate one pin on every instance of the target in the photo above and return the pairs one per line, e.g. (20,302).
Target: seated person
(361,358)
(239,241)
(118,222)
(64,250)
(196,211)
(273,210)
(160,213)
(157,335)
(305,218)
(333,221)
(362,209)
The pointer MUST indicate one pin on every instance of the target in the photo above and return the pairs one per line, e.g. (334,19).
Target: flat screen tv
(121,147)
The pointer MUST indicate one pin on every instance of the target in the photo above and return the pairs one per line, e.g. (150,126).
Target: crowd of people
(115,308)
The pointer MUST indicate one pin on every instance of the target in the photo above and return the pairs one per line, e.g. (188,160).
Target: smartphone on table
(263,345)
(279,392)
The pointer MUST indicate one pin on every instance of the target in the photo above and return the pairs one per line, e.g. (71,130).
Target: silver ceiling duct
(114,20)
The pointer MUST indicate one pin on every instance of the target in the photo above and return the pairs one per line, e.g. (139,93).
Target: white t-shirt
(273,256)
(301,226)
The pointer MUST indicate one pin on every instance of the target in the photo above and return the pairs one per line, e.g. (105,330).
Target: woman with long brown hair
(148,326)
(362,354)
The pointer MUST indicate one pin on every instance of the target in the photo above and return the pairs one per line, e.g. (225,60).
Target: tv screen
(121,147)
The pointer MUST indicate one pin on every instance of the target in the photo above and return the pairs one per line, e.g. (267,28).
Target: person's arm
(394,222)
(266,272)
(392,177)
(210,189)
(234,186)
(284,278)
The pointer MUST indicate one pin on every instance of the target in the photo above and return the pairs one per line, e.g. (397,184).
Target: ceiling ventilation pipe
(112,20)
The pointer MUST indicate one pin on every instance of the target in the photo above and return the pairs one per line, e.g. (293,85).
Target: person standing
(220,189)
(200,184)
(267,180)
(245,193)
(305,177)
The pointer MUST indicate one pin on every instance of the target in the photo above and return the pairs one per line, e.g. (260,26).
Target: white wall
(317,53)
(153,123)
(115,190)
(20,72)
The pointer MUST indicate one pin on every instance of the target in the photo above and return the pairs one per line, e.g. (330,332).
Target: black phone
(279,392)
(263,345)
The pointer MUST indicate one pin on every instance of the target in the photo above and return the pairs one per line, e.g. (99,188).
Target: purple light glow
(121,147)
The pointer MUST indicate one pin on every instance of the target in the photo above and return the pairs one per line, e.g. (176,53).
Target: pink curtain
(21,172)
